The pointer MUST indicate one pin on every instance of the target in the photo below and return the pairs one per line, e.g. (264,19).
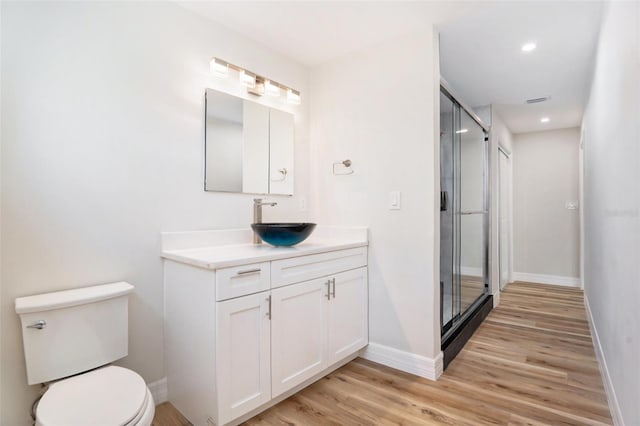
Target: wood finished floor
(530,363)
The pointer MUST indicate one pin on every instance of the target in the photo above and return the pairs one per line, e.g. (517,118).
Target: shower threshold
(455,339)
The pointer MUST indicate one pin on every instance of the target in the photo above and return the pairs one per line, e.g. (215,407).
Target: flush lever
(39,325)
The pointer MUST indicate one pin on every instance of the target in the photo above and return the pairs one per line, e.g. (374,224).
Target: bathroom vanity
(248,325)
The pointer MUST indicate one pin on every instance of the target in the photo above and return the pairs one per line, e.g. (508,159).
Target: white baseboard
(614,407)
(429,368)
(546,279)
(496,298)
(159,390)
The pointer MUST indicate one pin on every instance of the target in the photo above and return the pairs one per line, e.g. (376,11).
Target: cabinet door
(281,152)
(348,314)
(243,356)
(298,328)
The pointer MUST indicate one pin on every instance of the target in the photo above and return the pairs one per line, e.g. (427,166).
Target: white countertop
(216,249)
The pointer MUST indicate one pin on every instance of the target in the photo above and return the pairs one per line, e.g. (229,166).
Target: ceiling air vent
(538,100)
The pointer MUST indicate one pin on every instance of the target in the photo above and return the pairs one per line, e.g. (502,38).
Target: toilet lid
(106,396)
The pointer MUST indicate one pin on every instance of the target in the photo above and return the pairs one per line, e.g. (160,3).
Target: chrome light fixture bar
(256,84)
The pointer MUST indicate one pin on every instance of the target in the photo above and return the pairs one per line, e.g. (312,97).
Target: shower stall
(464,222)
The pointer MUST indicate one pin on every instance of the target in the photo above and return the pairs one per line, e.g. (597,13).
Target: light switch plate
(395,198)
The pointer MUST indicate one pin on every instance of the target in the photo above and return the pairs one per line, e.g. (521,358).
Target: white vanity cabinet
(299,328)
(312,328)
(241,338)
(347,314)
(243,355)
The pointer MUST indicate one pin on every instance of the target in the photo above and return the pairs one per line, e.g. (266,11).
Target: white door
(298,327)
(504,211)
(348,314)
(243,356)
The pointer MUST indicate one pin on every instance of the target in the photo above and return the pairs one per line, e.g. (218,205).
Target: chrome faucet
(257,216)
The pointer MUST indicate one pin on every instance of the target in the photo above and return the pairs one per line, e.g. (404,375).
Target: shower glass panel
(463,213)
(447,247)
(472,211)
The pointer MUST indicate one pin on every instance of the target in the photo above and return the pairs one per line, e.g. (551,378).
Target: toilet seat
(108,396)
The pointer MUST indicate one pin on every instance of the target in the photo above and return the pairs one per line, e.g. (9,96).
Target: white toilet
(70,337)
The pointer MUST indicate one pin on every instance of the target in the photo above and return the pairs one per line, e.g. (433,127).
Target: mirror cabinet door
(281,152)
(223,150)
(248,146)
(255,149)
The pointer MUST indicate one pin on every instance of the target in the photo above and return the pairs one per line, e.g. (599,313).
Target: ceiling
(481,58)
(314,32)
(479,45)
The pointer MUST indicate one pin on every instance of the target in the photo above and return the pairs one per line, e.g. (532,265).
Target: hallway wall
(611,143)
(546,233)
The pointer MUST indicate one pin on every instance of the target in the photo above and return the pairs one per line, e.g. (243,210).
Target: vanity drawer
(242,280)
(303,268)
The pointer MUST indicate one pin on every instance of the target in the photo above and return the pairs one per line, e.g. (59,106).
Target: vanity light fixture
(544,120)
(219,67)
(247,79)
(256,84)
(271,89)
(462,131)
(293,96)
(528,47)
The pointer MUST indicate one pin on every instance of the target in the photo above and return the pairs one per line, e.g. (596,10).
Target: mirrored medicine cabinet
(248,146)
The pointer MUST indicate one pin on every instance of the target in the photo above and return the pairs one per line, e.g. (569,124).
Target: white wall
(367,107)
(545,177)
(102,149)
(611,133)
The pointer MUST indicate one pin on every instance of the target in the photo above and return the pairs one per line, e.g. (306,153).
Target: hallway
(530,363)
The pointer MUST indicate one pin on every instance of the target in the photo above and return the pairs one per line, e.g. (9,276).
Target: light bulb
(247,79)
(271,89)
(219,67)
(293,96)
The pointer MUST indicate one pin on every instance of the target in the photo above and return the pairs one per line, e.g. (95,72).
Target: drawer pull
(328,283)
(249,271)
(269,311)
(333,293)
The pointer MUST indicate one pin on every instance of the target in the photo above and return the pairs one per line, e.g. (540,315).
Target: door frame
(509,172)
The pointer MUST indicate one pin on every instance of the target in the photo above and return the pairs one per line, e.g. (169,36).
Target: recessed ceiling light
(544,120)
(528,47)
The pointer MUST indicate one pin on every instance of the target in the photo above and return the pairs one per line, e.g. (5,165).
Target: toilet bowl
(70,339)
(107,396)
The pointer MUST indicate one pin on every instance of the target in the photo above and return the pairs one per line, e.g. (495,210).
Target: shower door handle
(444,201)
(475,212)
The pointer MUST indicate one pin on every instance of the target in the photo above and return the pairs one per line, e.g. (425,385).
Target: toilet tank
(68,332)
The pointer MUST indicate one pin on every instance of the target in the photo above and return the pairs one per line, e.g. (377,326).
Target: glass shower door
(463,213)
(448,248)
(472,211)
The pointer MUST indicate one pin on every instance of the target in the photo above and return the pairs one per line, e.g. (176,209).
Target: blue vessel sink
(283,234)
